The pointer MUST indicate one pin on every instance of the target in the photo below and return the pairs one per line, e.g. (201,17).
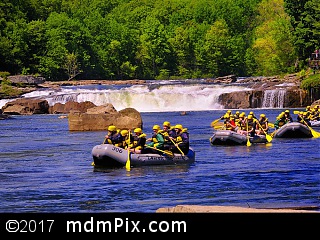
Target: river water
(47,168)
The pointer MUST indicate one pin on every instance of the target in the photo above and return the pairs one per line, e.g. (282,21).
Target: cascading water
(273,98)
(162,96)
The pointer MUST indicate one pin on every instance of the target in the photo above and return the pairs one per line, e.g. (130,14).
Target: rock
(60,108)
(294,98)
(26,106)
(127,118)
(223,79)
(183,113)
(26,79)
(231,209)
(103,109)
(239,100)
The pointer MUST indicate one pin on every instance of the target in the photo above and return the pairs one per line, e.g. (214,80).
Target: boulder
(60,108)
(236,100)
(26,79)
(104,109)
(294,98)
(26,106)
(223,79)
(128,118)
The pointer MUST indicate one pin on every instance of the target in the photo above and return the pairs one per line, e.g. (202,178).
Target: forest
(157,39)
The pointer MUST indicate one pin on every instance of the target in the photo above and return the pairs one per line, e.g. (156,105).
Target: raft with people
(240,129)
(228,137)
(167,146)
(110,156)
(293,130)
(286,127)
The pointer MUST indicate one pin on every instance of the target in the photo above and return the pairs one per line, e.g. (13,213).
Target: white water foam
(144,98)
(273,98)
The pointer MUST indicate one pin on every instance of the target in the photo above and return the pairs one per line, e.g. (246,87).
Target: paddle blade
(214,122)
(271,125)
(315,134)
(269,138)
(248,138)
(128,164)
(169,153)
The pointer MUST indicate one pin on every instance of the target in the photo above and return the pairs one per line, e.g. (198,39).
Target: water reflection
(145,170)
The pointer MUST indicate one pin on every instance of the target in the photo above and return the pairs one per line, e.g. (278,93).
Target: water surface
(47,168)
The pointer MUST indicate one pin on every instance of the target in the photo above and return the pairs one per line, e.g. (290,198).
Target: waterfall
(160,96)
(273,98)
(156,96)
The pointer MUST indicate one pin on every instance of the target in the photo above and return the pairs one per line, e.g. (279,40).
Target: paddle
(214,122)
(273,133)
(169,153)
(177,146)
(314,133)
(218,127)
(271,125)
(268,137)
(248,137)
(128,159)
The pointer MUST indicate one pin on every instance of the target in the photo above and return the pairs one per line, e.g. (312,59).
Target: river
(47,168)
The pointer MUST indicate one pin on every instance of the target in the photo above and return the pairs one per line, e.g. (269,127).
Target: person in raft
(181,140)
(139,141)
(113,137)
(156,142)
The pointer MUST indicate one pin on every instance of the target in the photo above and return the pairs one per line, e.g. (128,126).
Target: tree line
(157,39)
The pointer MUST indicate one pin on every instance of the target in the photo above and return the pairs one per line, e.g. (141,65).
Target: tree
(71,65)
(217,49)
(273,45)
(305,19)
(153,49)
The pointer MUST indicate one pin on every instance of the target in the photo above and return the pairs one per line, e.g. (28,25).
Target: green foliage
(273,49)
(4,74)
(312,81)
(7,89)
(302,74)
(164,74)
(305,19)
(128,71)
(71,65)
(148,39)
